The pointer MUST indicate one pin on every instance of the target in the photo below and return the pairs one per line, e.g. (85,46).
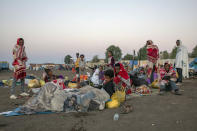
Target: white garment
(182,60)
(95,77)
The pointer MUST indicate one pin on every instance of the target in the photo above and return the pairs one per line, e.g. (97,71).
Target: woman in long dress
(20,58)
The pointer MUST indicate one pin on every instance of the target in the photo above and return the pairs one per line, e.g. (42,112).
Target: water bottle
(116,117)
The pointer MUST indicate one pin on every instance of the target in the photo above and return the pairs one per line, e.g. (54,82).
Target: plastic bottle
(116,117)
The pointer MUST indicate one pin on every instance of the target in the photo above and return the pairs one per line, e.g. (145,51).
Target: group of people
(114,76)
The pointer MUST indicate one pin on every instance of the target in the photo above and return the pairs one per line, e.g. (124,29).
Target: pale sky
(54,28)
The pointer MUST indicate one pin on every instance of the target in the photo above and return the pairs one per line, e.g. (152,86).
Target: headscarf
(182,59)
(122,73)
(19,53)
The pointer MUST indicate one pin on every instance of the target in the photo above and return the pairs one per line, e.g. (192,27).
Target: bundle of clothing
(52,97)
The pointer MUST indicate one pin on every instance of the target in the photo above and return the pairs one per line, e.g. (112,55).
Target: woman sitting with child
(122,78)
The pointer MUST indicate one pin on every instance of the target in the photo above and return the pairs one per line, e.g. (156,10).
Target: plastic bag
(119,95)
(72,85)
(155,84)
(34,83)
(113,104)
(42,83)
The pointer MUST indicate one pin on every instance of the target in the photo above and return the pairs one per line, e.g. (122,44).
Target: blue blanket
(16,113)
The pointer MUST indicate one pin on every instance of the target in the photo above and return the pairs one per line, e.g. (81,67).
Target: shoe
(178,84)
(161,92)
(13,97)
(177,93)
(24,94)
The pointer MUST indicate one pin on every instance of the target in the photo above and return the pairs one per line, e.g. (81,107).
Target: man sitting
(167,80)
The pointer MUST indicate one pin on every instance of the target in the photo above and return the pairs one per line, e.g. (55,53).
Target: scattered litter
(116,116)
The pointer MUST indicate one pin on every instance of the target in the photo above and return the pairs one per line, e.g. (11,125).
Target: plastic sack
(42,83)
(7,82)
(119,96)
(72,85)
(34,83)
(155,84)
(84,77)
(113,104)
(177,75)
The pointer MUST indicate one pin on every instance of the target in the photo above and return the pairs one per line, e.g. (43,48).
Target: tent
(193,64)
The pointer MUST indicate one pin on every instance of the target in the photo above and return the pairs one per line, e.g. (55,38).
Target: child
(77,66)
(48,75)
(82,65)
(111,60)
(108,85)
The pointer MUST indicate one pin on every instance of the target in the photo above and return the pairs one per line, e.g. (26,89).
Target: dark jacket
(109,87)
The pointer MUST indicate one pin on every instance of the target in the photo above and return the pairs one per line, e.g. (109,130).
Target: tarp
(15,112)
(135,62)
(193,64)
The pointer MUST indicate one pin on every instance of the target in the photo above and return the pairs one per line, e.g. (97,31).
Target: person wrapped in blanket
(152,56)
(122,78)
(19,64)
(168,79)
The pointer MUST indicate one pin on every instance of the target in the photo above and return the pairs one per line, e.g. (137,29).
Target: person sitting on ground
(95,77)
(122,78)
(101,75)
(48,76)
(167,80)
(108,84)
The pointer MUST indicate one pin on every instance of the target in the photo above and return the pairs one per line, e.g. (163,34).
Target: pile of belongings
(143,90)
(34,83)
(8,82)
(53,97)
(138,77)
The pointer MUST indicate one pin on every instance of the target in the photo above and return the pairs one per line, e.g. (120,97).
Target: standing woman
(20,59)
(153,56)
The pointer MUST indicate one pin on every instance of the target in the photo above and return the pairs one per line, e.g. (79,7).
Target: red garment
(163,72)
(59,83)
(20,58)
(152,53)
(123,73)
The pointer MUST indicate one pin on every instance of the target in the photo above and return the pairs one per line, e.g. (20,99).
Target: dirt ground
(151,113)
